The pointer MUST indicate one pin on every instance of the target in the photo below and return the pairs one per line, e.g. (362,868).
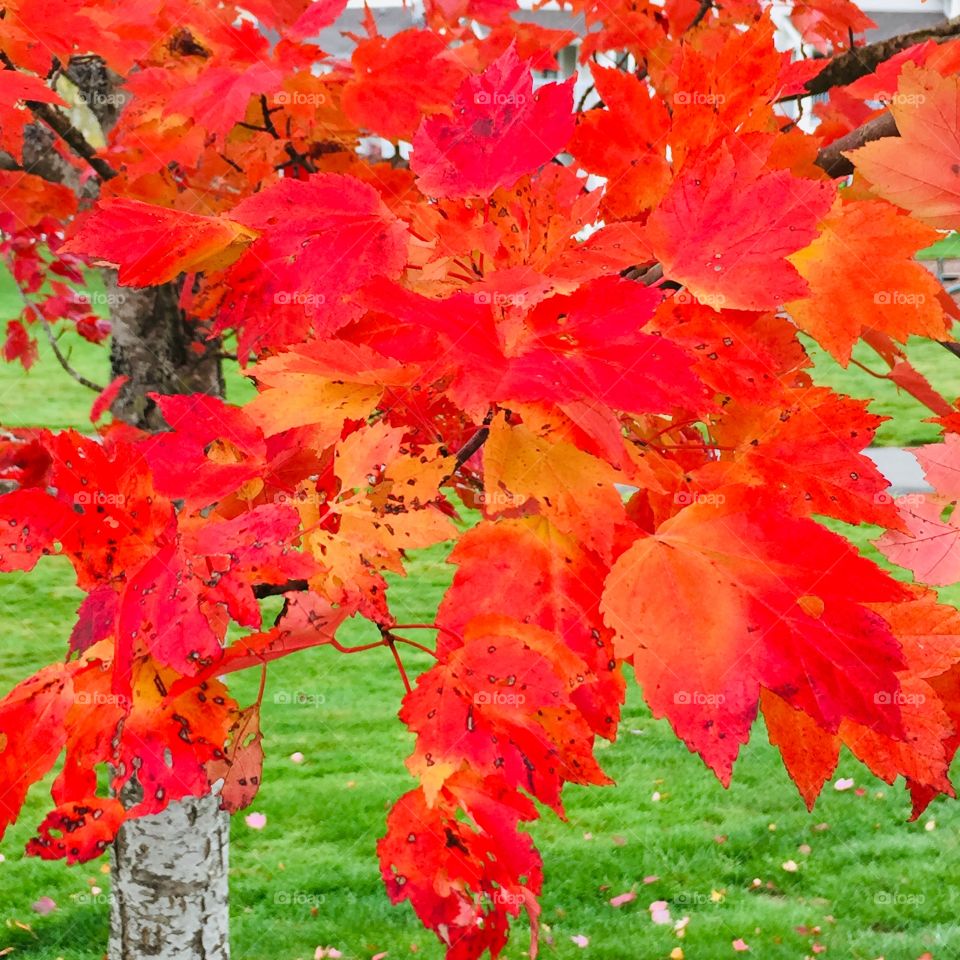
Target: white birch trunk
(169,885)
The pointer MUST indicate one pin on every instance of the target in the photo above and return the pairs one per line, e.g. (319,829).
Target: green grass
(906,426)
(46,395)
(874,884)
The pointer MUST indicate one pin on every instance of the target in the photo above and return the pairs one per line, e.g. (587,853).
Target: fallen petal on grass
(43,906)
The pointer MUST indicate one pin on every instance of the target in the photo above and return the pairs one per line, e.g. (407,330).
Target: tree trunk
(158,349)
(169,871)
(169,885)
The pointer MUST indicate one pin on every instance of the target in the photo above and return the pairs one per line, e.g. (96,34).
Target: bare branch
(63,361)
(861,61)
(261,590)
(72,137)
(61,125)
(831,158)
(704,9)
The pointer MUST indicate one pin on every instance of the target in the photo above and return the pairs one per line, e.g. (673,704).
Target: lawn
(906,426)
(748,863)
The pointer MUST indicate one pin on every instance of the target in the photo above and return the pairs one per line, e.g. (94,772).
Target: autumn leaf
(29,199)
(218,97)
(920,169)
(320,241)
(500,704)
(152,244)
(241,763)
(862,273)
(499,131)
(17,88)
(810,753)
(86,489)
(930,546)
(323,386)
(78,831)
(574,489)
(399,80)
(809,445)
(756,618)
(726,227)
(470,838)
(626,143)
(39,704)
(557,583)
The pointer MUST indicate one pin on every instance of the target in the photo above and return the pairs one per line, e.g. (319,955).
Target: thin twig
(64,362)
(866,369)
(391,643)
(475,442)
(360,648)
(423,648)
(583,99)
(435,626)
(51,337)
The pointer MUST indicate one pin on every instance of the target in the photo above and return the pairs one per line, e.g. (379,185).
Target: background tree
(439,326)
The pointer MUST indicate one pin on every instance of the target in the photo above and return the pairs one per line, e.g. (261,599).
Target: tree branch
(61,125)
(475,442)
(704,9)
(72,137)
(261,590)
(861,61)
(51,337)
(62,360)
(831,158)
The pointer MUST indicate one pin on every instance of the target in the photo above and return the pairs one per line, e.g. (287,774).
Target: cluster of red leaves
(469,327)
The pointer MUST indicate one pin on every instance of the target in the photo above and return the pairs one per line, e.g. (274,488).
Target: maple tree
(473,322)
